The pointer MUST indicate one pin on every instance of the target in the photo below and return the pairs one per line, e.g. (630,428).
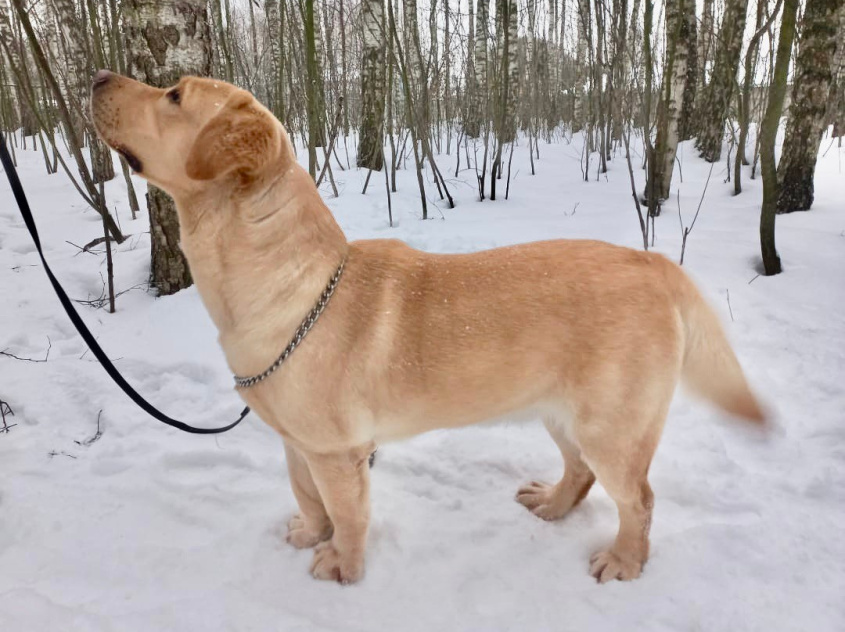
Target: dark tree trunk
(768,133)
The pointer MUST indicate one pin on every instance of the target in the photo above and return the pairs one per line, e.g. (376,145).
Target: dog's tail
(710,368)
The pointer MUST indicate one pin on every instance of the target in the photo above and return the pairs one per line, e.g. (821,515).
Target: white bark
(673,94)
(166,40)
(370,153)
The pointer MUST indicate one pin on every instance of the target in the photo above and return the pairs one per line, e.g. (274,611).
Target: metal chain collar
(302,330)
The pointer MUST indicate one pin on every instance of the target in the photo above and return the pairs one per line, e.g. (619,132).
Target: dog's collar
(301,331)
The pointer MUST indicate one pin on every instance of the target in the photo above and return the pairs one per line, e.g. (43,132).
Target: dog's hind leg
(312,524)
(551,502)
(620,461)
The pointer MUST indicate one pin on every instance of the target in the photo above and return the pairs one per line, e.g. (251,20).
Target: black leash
(26,213)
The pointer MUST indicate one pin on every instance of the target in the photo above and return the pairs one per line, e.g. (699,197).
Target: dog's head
(185,137)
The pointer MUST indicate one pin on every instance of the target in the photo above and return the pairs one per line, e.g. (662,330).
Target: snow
(151,529)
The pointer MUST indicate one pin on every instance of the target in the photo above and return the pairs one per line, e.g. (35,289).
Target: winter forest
(710,131)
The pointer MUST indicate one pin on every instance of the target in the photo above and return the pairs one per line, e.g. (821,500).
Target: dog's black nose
(101,78)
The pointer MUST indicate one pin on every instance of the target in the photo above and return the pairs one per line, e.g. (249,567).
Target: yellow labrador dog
(591,337)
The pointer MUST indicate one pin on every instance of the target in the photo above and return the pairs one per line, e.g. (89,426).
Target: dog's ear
(241,138)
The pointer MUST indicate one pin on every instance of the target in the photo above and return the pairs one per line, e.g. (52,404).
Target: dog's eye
(174,96)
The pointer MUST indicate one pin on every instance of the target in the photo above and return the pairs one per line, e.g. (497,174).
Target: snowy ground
(150,529)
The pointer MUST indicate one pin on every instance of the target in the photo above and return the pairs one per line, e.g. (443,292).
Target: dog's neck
(260,260)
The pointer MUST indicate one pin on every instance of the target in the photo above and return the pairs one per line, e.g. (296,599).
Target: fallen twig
(6,410)
(87,442)
(46,355)
(53,453)
(102,300)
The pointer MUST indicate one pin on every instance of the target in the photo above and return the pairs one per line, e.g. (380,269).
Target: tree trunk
(471,123)
(220,39)
(166,40)
(689,37)
(705,45)
(768,134)
(836,101)
(810,92)
(276,85)
(507,72)
(581,63)
(447,87)
(747,84)
(371,140)
(478,108)
(313,92)
(717,96)
(102,165)
(672,93)
(505,92)
(76,84)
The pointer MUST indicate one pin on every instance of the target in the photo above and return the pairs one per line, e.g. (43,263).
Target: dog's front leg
(312,524)
(343,480)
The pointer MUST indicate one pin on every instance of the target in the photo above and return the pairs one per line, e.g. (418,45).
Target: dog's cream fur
(590,336)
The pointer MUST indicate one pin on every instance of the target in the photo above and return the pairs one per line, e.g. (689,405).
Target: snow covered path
(149,529)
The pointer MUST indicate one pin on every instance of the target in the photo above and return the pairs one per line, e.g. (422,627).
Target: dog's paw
(541,500)
(304,535)
(607,565)
(331,565)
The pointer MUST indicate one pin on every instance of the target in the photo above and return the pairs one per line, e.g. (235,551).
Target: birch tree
(689,37)
(671,101)
(810,92)
(78,68)
(313,83)
(506,83)
(166,40)
(370,141)
(836,101)
(705,44)
(719,92)
(478,107)
(471,122)
(276,84)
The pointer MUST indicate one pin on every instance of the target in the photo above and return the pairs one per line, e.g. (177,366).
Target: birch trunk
(810,92)
(312,89)
(102,165)
(480,87)
(471,123)
(371,140)
(164,41)
(836,101)
(75,82)
(672,93)
(578,118)
(705,44)
(16,59)
(689,38)
(276,85)
(719,92)
(507,73)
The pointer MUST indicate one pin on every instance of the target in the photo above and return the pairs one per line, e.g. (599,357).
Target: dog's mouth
(130,158)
